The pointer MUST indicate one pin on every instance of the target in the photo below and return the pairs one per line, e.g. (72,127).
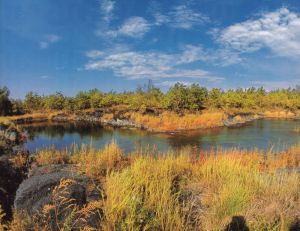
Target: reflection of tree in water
(59,130)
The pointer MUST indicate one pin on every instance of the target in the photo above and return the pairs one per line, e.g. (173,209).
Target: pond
(261,134)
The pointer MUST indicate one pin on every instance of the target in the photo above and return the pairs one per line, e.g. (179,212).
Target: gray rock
(35,192)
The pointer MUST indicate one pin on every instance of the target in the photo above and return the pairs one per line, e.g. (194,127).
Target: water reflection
(261,134)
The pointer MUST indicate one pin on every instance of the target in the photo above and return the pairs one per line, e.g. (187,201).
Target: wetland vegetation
(176,179)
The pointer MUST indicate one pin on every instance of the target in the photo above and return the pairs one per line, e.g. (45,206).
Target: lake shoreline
(127,119)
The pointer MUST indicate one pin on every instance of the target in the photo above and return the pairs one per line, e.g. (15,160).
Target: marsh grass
(170,121)
(98,163)
(190,191)
(52,156)
(146,195)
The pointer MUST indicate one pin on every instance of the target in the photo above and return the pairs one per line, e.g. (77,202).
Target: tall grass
(180,191)
(146,195)
(52,156)
(101,162)
(237,186)
(169,121)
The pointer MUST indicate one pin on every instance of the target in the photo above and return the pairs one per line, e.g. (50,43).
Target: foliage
(33,102)
(179,98)
(56,101)
(5,103)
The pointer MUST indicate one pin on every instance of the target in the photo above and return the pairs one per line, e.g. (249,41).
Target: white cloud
(49,39)
(93,54)
(153,65)
(160,19)
(219,57)
(134,27)
(185,18)
(279,31)
(182,16)
(107,7)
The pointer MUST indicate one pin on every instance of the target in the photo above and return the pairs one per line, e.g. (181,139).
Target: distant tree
(214,98)
(177,97)
(56,101)
(110,99)
(82,101)
(17,107)
(5,103)
(96,98)
(33,102)
(196,97)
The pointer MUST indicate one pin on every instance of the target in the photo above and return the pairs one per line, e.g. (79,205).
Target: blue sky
(72,45)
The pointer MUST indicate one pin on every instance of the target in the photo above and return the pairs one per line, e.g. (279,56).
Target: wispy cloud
(182,16)
(93,54)
(218,57)
(49,39)
(153,65)
(185,17)
(107,7)
(279,31)
(44,77)
(134,27)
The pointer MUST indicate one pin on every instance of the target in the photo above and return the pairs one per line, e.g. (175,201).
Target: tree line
(178,98)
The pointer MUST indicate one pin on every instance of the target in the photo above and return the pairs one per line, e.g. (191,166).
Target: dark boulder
(35,192)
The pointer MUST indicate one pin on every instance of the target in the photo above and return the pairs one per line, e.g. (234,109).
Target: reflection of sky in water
(262,134)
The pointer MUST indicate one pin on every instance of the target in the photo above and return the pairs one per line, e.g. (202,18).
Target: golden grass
(3,226)
(279,114)
(52,156)
(180,191)
(237,185)
(99,163)
(144,196)
(33,117)
(169,121)
(5,121)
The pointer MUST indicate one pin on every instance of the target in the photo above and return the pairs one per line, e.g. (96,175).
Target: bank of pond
(260,134)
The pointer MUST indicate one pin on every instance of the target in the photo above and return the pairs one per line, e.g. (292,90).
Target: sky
(115,45)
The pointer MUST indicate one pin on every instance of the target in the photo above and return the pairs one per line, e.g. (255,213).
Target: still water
(261,134)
